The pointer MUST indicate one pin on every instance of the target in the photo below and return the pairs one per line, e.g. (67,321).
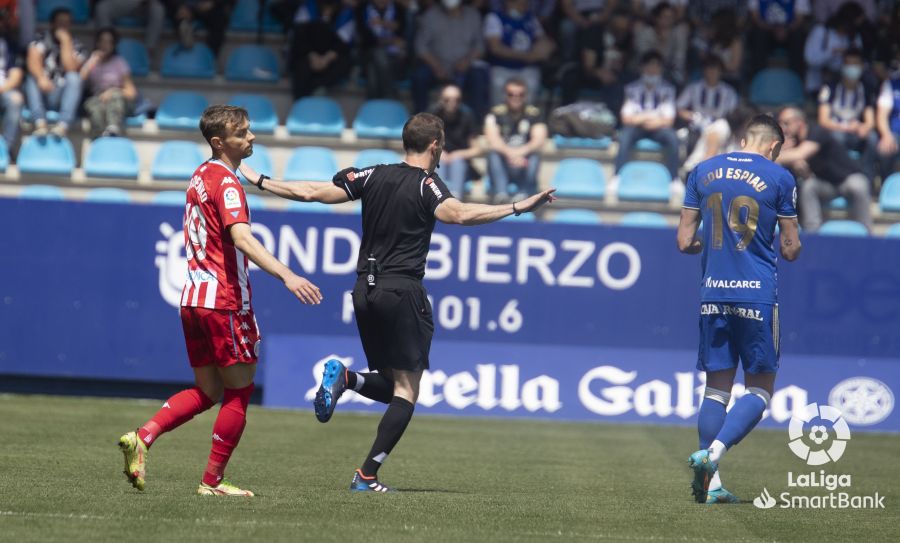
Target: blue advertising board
(91,290)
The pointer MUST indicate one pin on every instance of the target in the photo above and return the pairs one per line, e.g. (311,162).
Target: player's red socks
(177,410)
(227,432)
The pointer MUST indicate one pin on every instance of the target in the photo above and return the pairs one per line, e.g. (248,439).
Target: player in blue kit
(740,197)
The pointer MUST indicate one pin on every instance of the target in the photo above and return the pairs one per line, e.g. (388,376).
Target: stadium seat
(893,231)
(644,181)
(311,164)
(647,219)
(310,207)
(260,160)
(108,195)
(581,143)
(170,198)
(245,17)
(576,216)
(524,217)
(263,118)
(373,157)
(80,9)
(380,119)
(135,54)
(52,115)
(889,199)
(579,178)
(838,203)
(48,156)
(255,63)
(42,192)
(647,145)
(112,157)
(197,62)
(315,116)
(776,87)
(136,121)
(176,160)
(4,155)
(181,110)
(255,202)
(843,228)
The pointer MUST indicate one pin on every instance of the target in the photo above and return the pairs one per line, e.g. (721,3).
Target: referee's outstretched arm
(452,211)
(302,191)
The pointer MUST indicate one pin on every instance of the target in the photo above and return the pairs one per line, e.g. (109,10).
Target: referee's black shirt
(398,204)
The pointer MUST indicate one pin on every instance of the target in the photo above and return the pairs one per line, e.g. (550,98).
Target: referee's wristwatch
(262,177)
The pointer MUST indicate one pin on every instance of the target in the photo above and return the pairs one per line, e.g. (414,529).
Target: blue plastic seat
(80,9)
(255,201)
(374,157)
(889,199)
(843,228)
(263,118)
(255,63)
(311,164)
(4,155)
(135,54)
(42,192)
(315,116)
(136,121)
(646,219)
(576,216)
(197,62)
(838,203)
(108,195)
(893,231)
(112,157)
(310,207)
(260,160)
(380,119)
(181,110)
(245,17)
(647,145)
(524,217)
(176,160)
(644,181)
(776,87)
(170,198)
(48,156)
(563,142)
(51,114)
(579,178)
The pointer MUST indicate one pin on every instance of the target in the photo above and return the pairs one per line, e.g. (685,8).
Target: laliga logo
(171,263)
(818,435)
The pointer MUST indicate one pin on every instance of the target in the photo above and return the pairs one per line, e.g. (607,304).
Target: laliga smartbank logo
(818,436)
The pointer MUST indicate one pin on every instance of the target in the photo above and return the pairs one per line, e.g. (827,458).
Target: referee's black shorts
(395,322)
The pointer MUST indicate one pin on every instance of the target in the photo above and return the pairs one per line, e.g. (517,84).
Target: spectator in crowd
(515,133)
(822,10)
(461,131)
(826,44)
(26,19)
(111,91)
(701,12)
(825,170)
(705,106)
(381,26)
(582,18)
(723,39)
(776,24)
(663,33)
(54,58)
(153,12)
(544,10)
(11,75)
(887,44)
(644,8)
(649,112)
(517,47)
(847,110)
(604,61)
(888,122)
(450,48)
(214,15)
(320,45)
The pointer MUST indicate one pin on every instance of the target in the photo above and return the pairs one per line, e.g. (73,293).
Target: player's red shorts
(220,336)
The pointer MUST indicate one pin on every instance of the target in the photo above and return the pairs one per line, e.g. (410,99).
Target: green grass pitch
(463,480)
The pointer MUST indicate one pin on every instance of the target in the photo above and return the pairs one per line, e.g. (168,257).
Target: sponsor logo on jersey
(743,312)
(434,188)
(229,181)
(232,198)
(731,283)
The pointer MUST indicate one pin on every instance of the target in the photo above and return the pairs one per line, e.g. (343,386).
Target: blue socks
(712,415)
(742,418)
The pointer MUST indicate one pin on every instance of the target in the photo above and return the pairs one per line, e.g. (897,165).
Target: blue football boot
(334,382)
(361,483)
(720,495)
(704,468)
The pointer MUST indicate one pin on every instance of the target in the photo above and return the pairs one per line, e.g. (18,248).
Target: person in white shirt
(704,105)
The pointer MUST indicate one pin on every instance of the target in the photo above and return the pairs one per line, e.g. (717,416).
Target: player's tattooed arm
(688,243)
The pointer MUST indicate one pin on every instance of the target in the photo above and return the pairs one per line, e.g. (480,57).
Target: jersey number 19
(740,221)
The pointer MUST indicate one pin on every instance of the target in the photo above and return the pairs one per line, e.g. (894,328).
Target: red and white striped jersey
(217,270)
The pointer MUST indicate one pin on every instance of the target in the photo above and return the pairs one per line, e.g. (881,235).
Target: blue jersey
(740,197)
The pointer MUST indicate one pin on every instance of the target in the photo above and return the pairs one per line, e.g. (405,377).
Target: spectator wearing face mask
(827,43)
(847,110)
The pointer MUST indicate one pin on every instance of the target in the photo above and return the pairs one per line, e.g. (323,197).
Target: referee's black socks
(390,430)
(371,385)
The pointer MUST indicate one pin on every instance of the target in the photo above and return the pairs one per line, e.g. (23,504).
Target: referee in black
(400,203)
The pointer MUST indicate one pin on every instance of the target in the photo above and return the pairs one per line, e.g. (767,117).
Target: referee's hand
(305,291)
(536,200)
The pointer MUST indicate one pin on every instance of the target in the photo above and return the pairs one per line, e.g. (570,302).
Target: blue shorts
(729,330)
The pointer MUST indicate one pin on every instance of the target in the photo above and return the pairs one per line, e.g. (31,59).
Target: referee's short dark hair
(764,126)
(420,130)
